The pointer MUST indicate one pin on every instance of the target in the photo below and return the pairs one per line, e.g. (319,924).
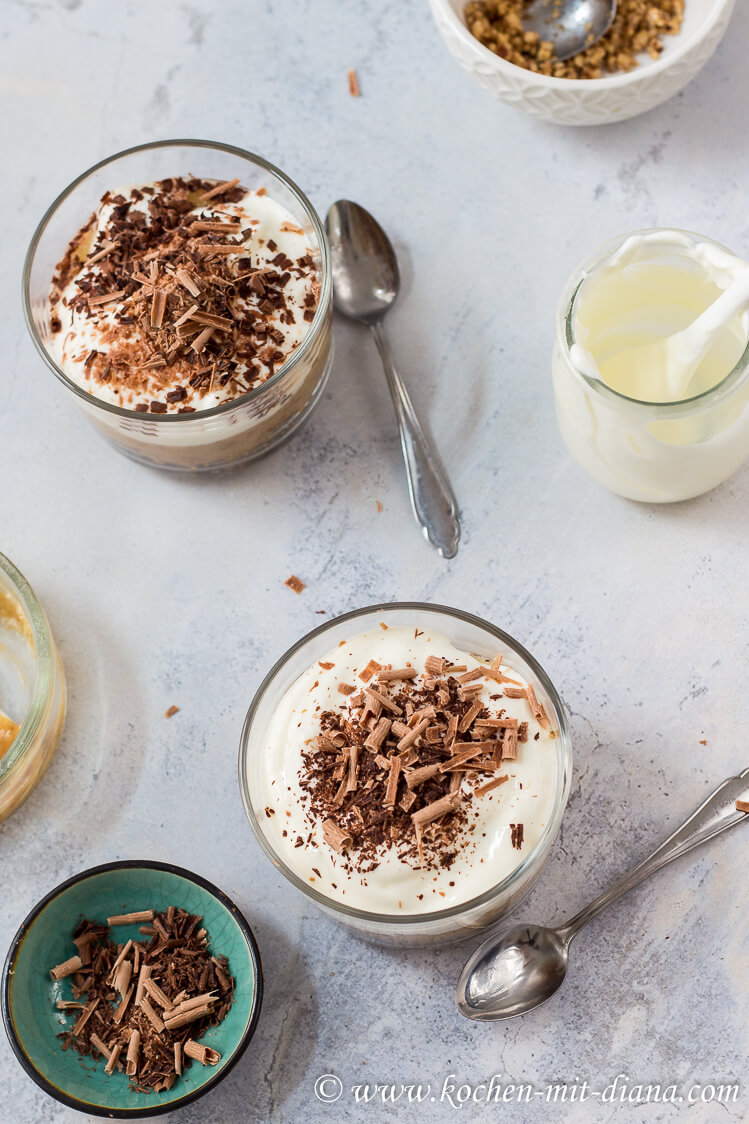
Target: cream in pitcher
(650,375)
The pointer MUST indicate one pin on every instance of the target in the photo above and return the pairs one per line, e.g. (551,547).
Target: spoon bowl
(511,973)
(365,269)
(571,25)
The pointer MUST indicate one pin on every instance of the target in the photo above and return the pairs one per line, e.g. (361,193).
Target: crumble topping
(639,26)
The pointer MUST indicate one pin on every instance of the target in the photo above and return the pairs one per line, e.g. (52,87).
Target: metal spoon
(520,968)
(365,284)
(571,25)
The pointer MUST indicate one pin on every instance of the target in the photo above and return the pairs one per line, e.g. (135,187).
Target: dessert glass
(235,431)
(471,634)
(24,763)
(655,452)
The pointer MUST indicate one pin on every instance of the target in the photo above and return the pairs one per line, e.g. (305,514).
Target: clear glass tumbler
(235,431)
(470,634)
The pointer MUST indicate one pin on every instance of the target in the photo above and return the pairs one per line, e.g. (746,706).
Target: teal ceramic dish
(33,1022)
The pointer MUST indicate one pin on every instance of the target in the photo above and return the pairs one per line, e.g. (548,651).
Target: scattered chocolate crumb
(171,711)
(295,584)
(517,835)
(353,84)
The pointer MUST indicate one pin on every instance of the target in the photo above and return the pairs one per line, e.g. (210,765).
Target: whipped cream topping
(213,288)
(486,850)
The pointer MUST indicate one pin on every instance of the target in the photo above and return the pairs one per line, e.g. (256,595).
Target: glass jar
(32,688)
(232,432)
(469,634)
(655,452)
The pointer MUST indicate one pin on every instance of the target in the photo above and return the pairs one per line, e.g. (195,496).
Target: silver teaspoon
(519,969)
(365,284)
(571,25)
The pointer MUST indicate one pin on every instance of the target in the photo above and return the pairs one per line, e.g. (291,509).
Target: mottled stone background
(165,590)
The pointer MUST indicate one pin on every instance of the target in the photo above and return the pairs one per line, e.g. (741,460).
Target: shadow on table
(283,1044)
(93,776)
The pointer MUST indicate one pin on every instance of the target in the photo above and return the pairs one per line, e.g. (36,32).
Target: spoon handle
(432,498)
(715,815)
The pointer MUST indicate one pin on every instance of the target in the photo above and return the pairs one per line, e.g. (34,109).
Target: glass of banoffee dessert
(181,291)
(406,766)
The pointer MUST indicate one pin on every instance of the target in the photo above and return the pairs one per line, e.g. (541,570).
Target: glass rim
(250,395)
(567,336)
(561,796)
(44,668)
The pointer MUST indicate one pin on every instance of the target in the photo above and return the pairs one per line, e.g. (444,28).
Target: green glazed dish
(29,995)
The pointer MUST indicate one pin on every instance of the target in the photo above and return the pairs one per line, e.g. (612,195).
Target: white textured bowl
(594,101)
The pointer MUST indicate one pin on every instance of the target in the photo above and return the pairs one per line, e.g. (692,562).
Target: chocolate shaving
(131,918)
(378,734)
(154,1048)
(158,307)
(353,761)
(219,189)
(387,675)
(413,735)
(433,811)
(188,281)
(399,765)
(106,298)
(537,710)
(383,700)
(510,744)
(203,1054)
(333,835)
(367,672)
(391,792)
(67,968)
(482,789)
(474,749)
